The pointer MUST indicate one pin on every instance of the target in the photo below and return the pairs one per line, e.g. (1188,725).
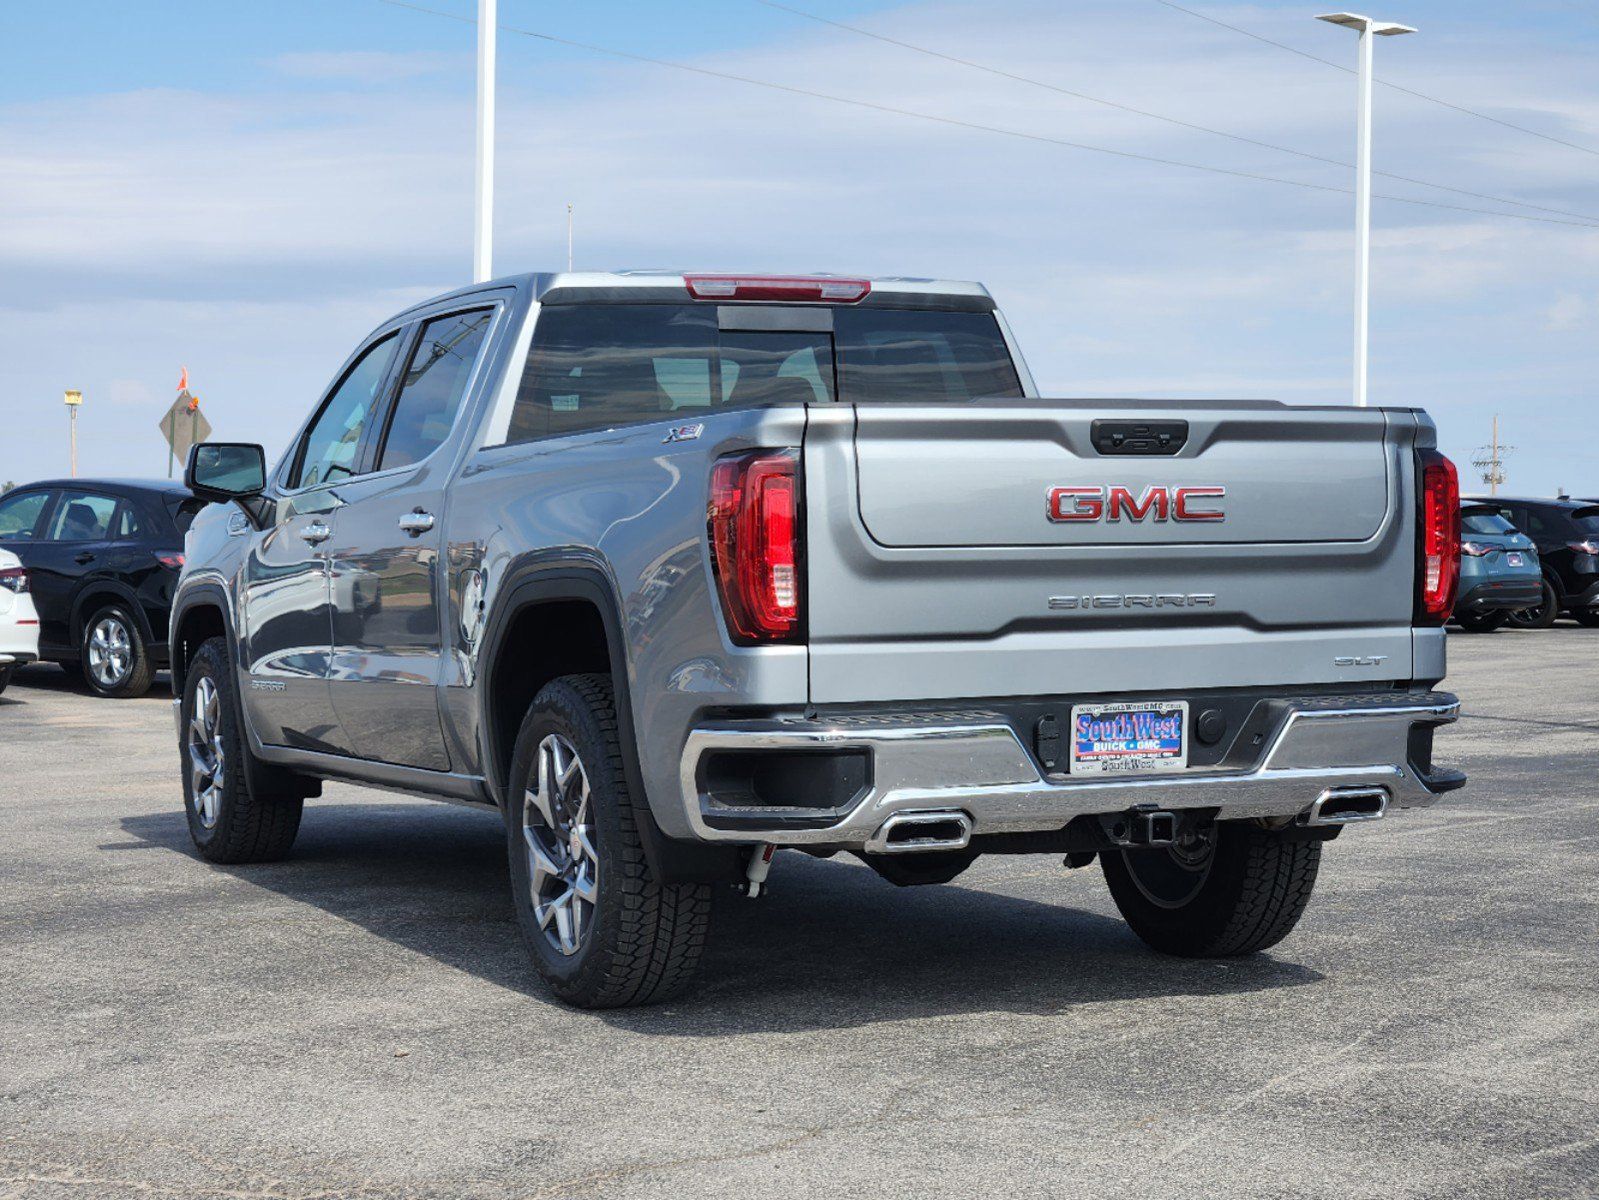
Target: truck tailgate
(1002,549)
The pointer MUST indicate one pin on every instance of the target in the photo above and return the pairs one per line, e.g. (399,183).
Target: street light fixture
(74,401)
(1366,27)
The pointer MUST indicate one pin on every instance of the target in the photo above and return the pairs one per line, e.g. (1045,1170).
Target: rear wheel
(1541,615)
(115,660)
(1230,890)
(1586,616)
(1482,622)
(5,678)
(603,932)
(228,822)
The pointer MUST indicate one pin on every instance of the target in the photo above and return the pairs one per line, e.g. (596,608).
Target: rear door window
(433,386)
(83,517)
(20,513)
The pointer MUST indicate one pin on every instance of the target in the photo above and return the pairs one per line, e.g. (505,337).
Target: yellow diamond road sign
(184,425)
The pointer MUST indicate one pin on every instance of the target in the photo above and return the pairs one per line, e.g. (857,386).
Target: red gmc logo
(1113,502)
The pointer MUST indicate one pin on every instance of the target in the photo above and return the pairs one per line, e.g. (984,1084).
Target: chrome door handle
(416,523)
(316,532)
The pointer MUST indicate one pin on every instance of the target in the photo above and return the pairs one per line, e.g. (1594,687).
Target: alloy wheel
(558,831)
(207,763)
(110,652)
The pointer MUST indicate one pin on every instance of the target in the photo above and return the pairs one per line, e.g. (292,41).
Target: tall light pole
(1366,27)
(483,229)
(73,401)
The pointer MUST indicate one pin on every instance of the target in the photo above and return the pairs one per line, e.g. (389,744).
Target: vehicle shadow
(833,946)
(48,677)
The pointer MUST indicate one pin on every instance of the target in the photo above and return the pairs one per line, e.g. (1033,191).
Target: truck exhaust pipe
(1347,805)
(921,832)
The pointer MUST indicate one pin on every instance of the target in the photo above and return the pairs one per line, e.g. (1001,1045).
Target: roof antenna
(569,235)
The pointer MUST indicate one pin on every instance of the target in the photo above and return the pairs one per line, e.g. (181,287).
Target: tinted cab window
(433,386)
(331,447)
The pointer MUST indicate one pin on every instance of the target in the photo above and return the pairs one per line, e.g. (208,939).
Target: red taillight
(1585,547)
(172,562)
(753,522)
(1476,549)
(793,289)
(1439,569)
(14,579)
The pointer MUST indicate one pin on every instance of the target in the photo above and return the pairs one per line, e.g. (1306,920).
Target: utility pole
(73,401)
(1366,27)
(1490,460)
(483,230)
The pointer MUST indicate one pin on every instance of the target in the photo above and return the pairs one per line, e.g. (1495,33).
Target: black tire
(1249,892)
(1543,614)
(638,941)
(113,626)
(232,824)
(918,870)
(1587,617)
(5,678)
(1482,622)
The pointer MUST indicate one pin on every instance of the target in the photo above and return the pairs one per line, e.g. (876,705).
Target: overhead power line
(975,126)
(1459,108)
(1179,122)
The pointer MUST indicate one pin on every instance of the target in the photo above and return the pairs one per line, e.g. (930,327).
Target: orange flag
(183,380)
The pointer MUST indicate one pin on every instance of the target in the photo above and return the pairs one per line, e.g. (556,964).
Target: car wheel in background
(5,678)
(115,661)
(1482,622)
(1233,890)
(1586,616)
(603,932)
(228,821)
(1543,614)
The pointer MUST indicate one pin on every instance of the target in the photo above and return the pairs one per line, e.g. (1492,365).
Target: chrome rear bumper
(976,766)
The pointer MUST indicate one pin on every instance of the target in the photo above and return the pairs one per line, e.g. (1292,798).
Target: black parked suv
(102,556)
(1566,533)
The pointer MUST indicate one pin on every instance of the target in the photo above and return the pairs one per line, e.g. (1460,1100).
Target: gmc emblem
(1113,502)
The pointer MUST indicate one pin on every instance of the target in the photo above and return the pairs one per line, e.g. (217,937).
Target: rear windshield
(1586,519)
(183,512)
(1485,522)
(595,366)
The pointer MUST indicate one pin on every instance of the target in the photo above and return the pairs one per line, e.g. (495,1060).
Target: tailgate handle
(1139,437)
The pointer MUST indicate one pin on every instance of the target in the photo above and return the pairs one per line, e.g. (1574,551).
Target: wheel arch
(563,616)
(95,594)
(199,613)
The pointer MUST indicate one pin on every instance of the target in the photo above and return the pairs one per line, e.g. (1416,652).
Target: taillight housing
(172,562)
(1476,549)
(1589,546)
(1438,549)
(14,579)
(753,521)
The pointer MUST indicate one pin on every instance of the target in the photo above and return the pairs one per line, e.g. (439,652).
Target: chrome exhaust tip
(920,832)
(1347,805)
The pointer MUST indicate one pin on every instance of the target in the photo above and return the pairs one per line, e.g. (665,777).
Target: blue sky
(245,189)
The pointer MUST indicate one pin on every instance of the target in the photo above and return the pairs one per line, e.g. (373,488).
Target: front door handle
(84,557)
(416,523)
(316,532)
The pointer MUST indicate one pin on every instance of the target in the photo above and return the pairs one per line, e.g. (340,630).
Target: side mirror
(225,471)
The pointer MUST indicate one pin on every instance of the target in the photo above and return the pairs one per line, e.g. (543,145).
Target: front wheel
(603,932)
(1481,622)
(228,821)
(1230,890)
(1541,615)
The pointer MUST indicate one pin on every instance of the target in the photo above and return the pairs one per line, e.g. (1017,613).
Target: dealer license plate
(1129,739)
(1514,559)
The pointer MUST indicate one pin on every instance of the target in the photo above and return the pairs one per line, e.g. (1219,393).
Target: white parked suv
(19,623)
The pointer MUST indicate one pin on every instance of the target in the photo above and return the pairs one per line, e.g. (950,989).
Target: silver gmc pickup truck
(676,570)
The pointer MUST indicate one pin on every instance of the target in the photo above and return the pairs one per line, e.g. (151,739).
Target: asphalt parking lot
(360,1020)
